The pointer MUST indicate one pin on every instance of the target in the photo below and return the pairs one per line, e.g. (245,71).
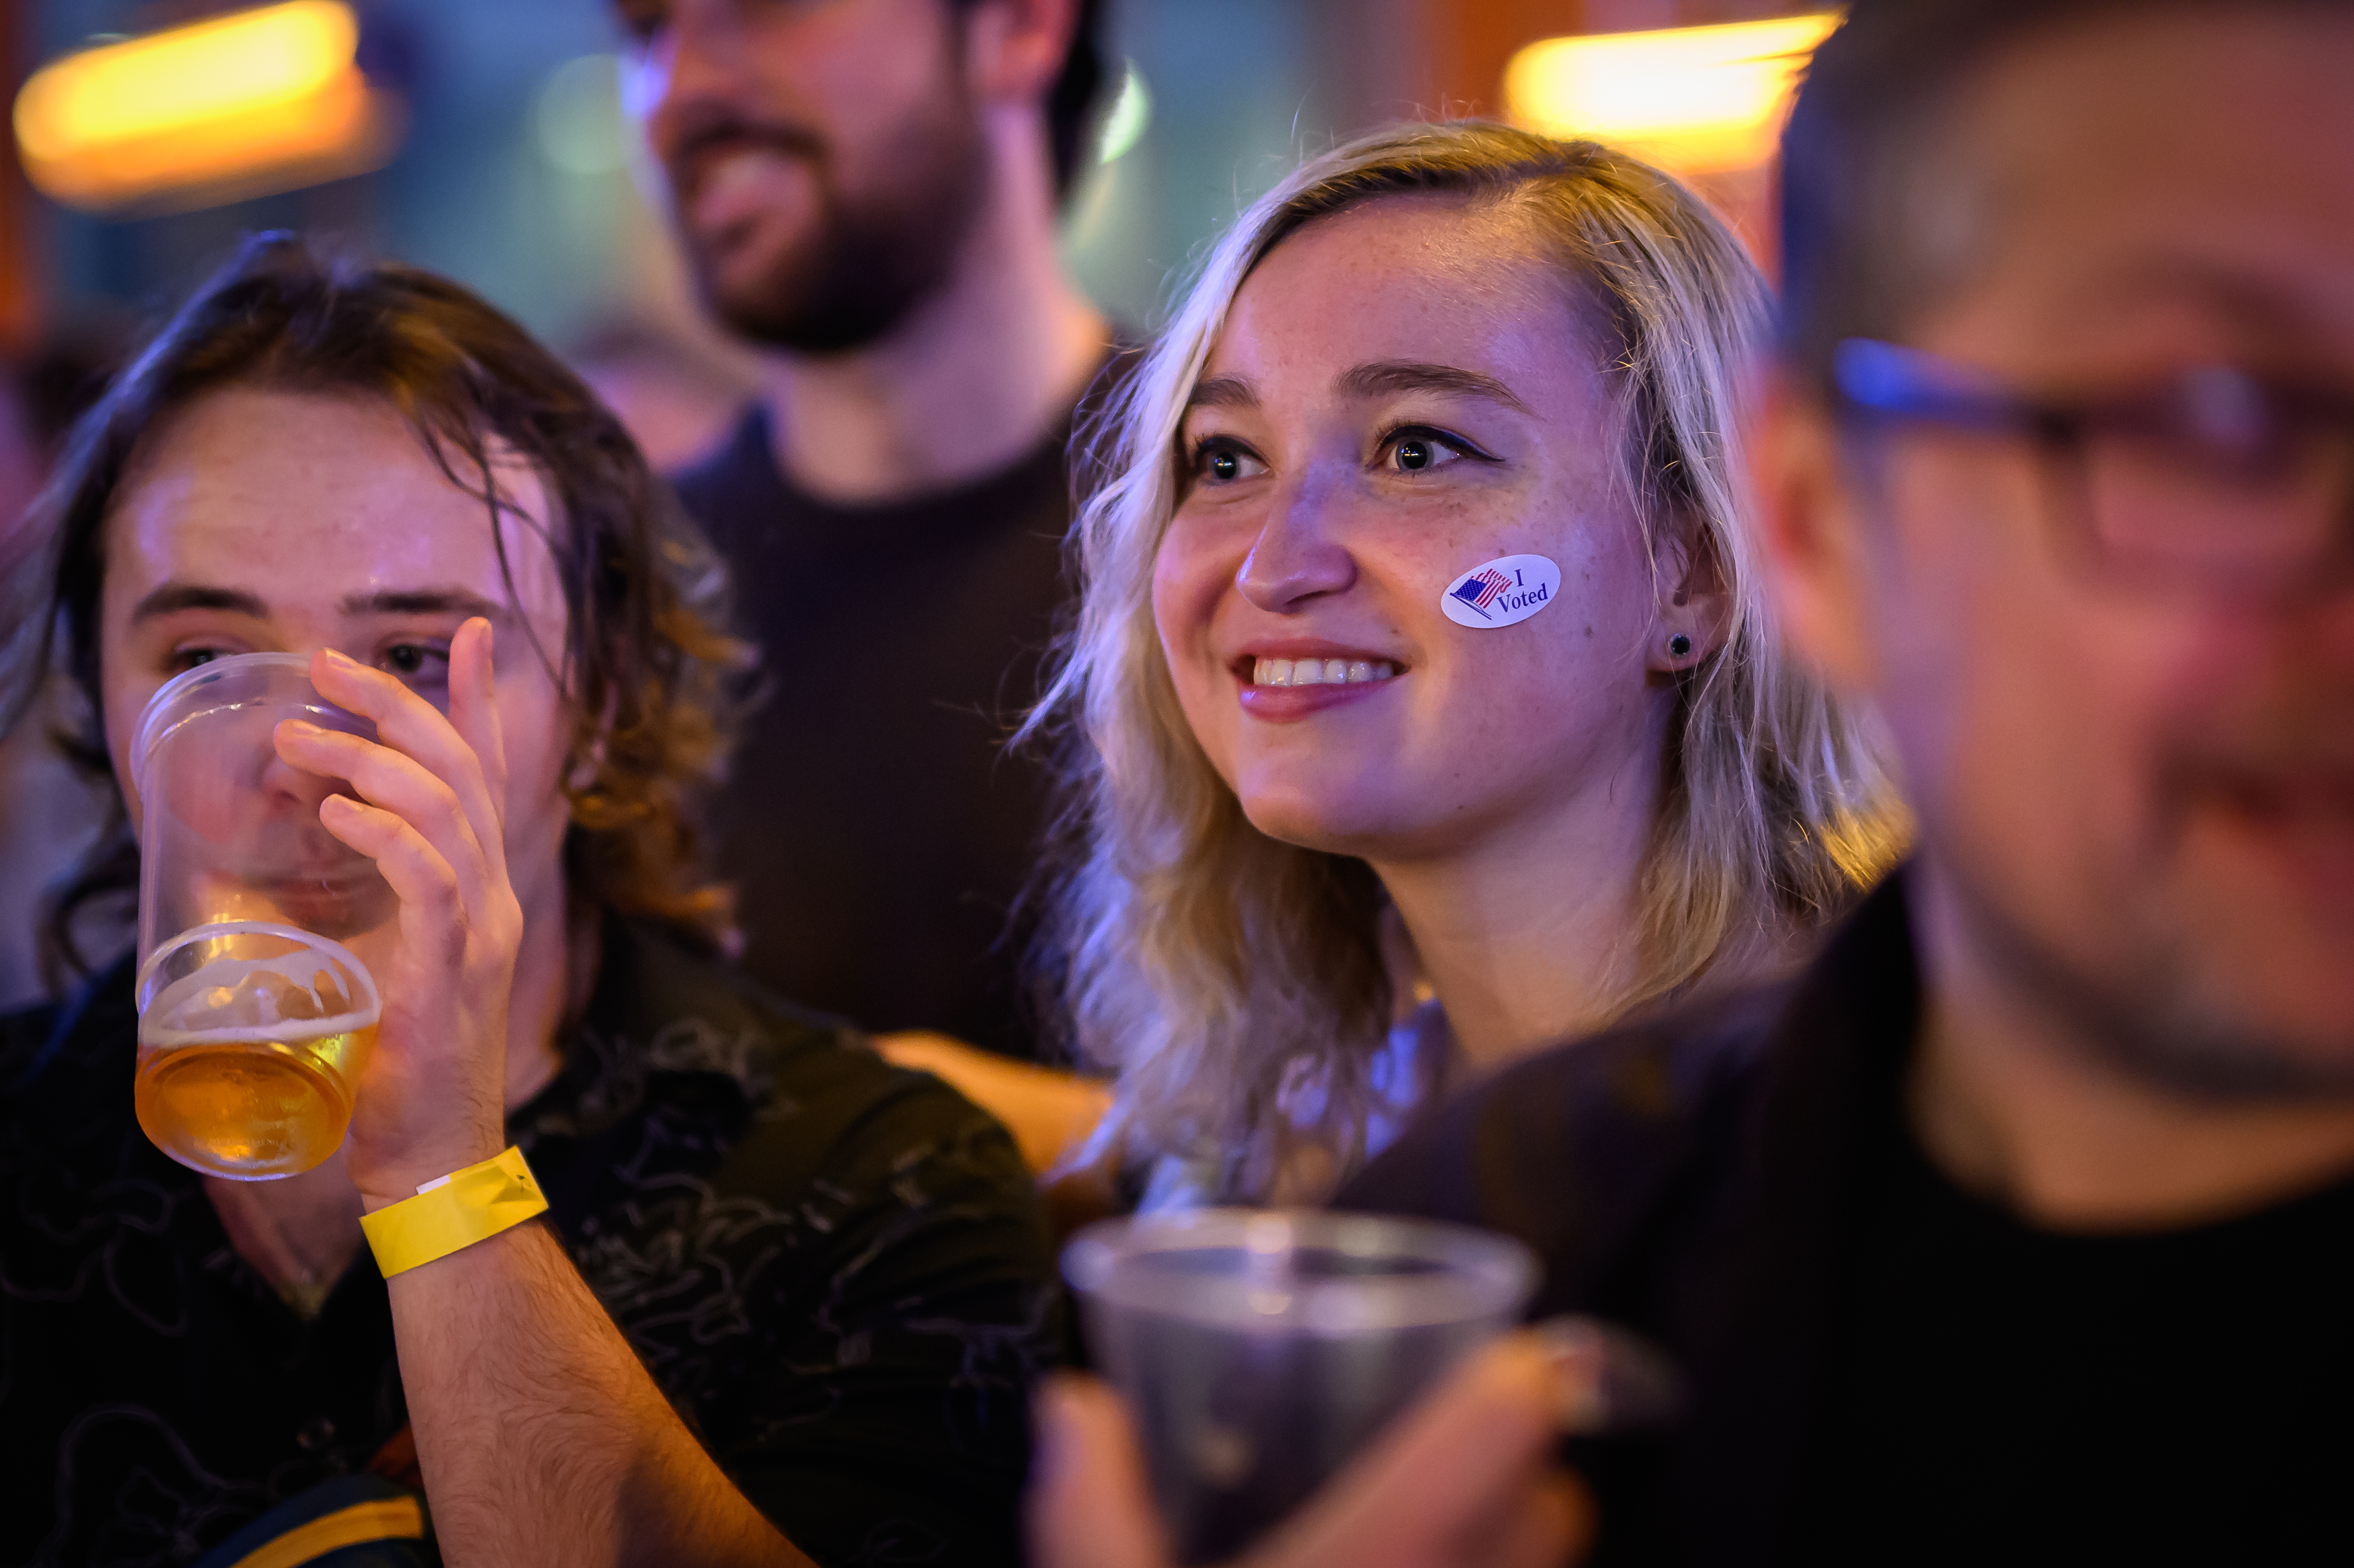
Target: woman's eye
(1221,462)
(1418,452)
(189,658)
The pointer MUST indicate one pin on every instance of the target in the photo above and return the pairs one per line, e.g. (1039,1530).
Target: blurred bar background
(486,140)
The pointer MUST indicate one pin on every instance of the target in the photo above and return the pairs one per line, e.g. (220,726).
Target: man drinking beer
(784,1299)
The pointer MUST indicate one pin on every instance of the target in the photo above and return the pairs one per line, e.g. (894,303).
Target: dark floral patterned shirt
(834,1268)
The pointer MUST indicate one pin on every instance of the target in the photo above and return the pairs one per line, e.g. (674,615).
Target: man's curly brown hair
(648,673)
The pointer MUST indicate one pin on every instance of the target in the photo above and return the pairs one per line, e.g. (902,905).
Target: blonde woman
(1348,832)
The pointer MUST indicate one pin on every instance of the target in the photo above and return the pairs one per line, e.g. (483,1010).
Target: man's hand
(539,1435)
(431,803)
(1464,1480)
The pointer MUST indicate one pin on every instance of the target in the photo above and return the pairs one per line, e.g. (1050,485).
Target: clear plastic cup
(1258,1350)
(256,1008)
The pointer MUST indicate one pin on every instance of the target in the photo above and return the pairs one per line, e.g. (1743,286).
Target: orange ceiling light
(1694,100)
(229,107)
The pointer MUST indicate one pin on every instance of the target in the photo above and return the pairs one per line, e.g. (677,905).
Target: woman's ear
(1695,605)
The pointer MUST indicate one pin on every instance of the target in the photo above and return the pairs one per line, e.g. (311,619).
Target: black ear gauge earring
(1679,646)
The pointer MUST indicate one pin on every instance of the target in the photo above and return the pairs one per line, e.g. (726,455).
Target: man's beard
(869,258)
(2153,1012)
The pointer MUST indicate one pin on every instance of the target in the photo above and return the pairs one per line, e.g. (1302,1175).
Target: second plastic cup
(256,1009)
(1258,1351)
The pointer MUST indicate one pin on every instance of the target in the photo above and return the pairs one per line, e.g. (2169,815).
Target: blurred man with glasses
(867,193)
(2021,1226)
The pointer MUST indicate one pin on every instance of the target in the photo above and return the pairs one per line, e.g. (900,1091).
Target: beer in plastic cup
(256,1008)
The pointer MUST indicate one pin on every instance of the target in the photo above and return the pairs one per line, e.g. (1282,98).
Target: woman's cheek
(1187,583)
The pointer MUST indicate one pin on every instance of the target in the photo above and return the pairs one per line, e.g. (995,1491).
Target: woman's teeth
(1320,672)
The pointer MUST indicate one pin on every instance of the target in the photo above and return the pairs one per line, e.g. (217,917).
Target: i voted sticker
(1500,592)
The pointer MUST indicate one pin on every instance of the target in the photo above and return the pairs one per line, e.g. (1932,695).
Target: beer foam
(278,1000)
(300,1032)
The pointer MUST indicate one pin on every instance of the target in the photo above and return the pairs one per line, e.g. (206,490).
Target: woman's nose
(1297,555)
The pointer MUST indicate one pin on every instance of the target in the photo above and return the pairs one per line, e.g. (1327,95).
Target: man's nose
(282,782)
(1298,554)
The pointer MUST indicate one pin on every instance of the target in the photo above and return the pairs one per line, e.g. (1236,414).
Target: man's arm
(542,1438)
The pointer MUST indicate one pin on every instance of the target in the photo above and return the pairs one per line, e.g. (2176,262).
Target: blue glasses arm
(1900,382)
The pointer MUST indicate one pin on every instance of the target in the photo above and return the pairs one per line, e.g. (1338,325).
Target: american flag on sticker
(1479,589)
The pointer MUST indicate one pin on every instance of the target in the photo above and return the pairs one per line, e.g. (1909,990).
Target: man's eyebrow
(1222,392)
(427,602)
(174,596)
(2248,300)
(1381,376)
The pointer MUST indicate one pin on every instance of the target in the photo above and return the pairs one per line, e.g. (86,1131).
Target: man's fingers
(1452,1471)
(432,911)
(1465,1479)
(1090,1504)
(398,785)
(1551,1524)
(409,724)
(474,711)
(1471,1439)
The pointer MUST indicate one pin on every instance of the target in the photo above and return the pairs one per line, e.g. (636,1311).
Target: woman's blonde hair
(1235,982)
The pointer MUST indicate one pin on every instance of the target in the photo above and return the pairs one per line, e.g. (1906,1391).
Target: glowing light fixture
(231,106)
(1131,112)
(1695,99)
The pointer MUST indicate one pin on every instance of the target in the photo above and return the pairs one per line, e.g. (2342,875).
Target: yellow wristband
(453,1212)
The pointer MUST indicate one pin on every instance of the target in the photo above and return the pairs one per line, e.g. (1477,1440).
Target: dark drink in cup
(1258,1350)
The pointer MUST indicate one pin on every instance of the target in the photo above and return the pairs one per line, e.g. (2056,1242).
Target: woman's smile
(1282,681)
